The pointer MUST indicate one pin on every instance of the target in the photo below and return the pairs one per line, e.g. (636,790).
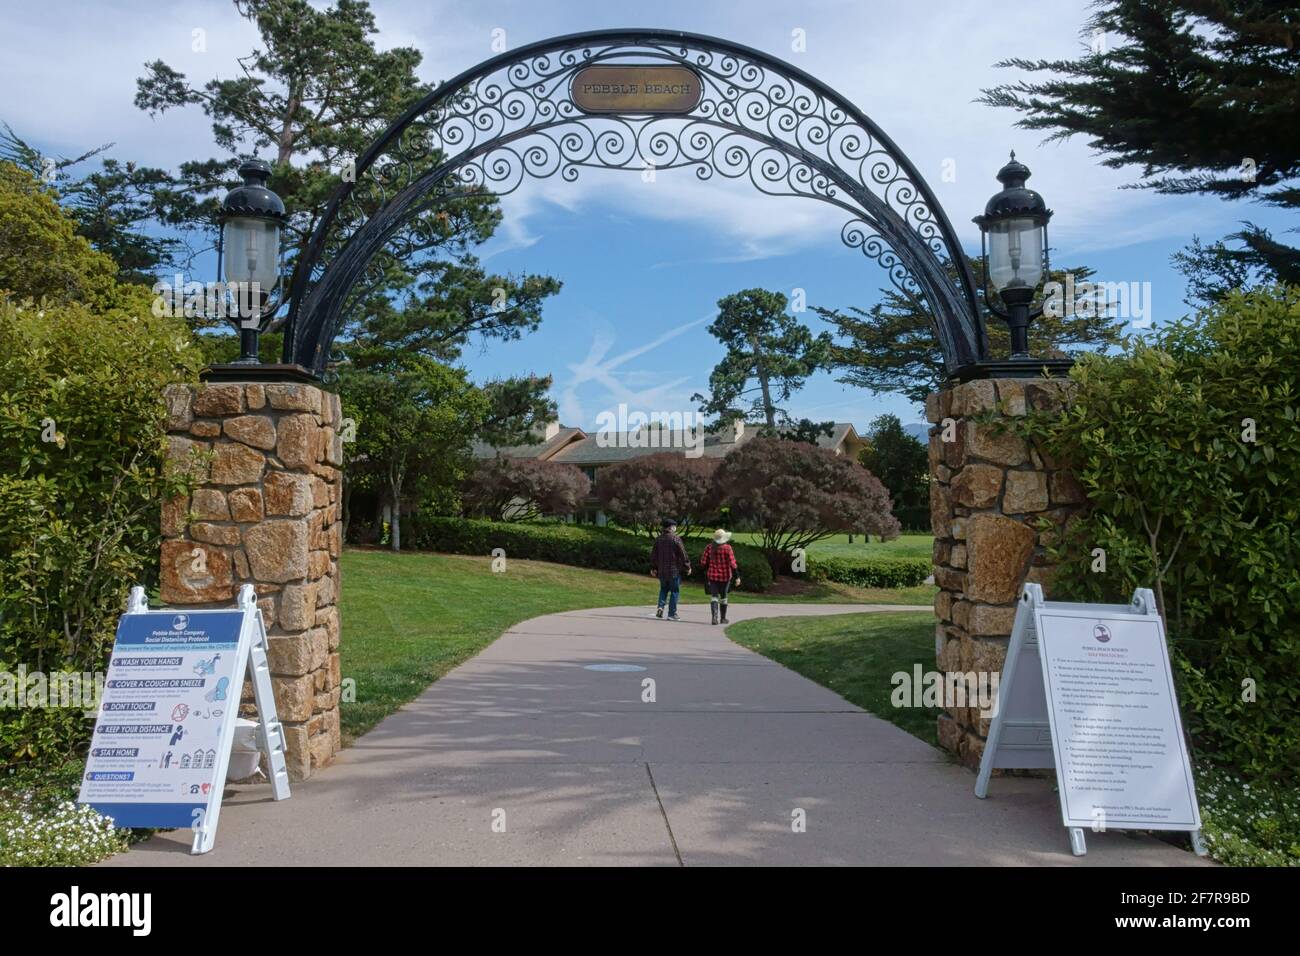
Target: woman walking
(719,562)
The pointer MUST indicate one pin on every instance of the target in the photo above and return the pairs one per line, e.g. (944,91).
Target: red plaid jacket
(719,560)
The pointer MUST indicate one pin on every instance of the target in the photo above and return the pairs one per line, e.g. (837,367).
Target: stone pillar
(994,505)
(265,511)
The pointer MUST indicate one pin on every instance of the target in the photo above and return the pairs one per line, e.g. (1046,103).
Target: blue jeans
(669,590)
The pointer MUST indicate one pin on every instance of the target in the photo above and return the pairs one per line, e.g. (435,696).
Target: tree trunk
(284,143)
(769,413)
(347,506)
(395,527)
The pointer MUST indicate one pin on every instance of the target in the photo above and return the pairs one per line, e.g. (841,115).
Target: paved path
(588,774)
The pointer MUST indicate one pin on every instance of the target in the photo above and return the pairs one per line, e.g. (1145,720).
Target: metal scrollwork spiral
(514,118)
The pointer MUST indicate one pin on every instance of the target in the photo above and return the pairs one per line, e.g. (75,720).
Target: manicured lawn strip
(837,546)
(410,618)
(854,655)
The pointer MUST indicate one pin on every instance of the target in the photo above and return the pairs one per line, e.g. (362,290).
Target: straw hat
(721,537)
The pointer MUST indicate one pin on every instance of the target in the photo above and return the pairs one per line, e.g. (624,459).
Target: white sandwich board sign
(166,720)
(1088,691)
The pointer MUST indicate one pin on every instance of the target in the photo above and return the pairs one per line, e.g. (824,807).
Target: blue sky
(644,263)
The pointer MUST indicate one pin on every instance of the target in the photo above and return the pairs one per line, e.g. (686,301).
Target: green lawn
(854,655)
(904,546)
(409,618)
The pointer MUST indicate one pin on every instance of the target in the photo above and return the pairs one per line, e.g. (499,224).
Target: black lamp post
(251,219)
(1013,242)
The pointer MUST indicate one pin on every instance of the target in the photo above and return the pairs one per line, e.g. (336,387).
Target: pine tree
(769,357)
(1202,97)
(891,346)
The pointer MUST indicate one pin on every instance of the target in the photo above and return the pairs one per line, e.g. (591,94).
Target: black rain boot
(724,612)
(713,610)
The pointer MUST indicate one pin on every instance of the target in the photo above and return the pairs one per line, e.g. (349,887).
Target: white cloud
(914,68)
(618,383)
(72,78)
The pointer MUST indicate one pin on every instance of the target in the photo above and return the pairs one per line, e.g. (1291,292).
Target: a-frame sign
(166,720)
(1087,690)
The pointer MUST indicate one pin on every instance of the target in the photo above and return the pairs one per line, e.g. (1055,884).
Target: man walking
(719,562)
(668,560)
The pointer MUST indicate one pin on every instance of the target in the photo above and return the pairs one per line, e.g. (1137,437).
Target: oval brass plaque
(636,89)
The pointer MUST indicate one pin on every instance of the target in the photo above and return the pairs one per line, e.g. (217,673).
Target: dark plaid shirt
(668,557)
(719,560)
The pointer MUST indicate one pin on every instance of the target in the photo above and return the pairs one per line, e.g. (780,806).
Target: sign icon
(1102,633)
(180,622)
(218,692)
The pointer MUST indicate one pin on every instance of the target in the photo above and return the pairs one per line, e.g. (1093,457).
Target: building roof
(541,450)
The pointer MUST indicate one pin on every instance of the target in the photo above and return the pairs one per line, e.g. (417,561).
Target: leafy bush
(81,452)
(583,546)
(794,494)
(871,572)
(1247,825)
(1188,446)
(41,255)
(522,489)
(41,824)
(66,834)
(640,493)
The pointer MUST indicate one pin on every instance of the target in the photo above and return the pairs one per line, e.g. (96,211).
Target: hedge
(871,572)
(583,546)
(83,365)
(1187,445)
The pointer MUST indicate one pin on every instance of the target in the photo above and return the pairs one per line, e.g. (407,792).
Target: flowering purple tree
(640,493)
(794,494)
(521,489)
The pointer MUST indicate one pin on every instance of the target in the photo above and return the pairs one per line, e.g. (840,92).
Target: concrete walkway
(584,772)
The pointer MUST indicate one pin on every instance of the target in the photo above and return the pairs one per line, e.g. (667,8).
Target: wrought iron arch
(514,117)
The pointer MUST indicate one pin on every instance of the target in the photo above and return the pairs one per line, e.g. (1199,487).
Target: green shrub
(81,443)
(41,824)
(1188,446)
(583,546)
(65,834)
(871,572)
(1248,825)
(41,255)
